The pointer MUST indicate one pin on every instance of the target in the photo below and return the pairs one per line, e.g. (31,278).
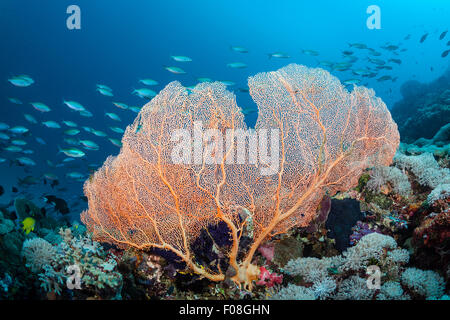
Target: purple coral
(360,230)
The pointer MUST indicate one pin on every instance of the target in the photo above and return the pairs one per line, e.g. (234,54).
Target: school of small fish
(358,63)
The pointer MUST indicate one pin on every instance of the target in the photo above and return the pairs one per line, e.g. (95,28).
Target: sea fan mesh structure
(327,137)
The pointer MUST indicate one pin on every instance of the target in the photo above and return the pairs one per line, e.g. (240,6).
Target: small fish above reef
(27,181)
(74,105)
(352,81)
(73,152)
(384,78)
(104,87)
(86,113)
(117,129)
(40,141)
(18,142)
(377,61)
(280,55)
(51,124)
(105,92)
(21,81)
(59,204)
(53,183)
(204,79)
(390,47)
(115,142)
(144,93)
(113,116)
(237,65)
(239,49)
(175,70)
(310,52)
(374,53)
(358,45)
(70,123)
(4,126)
(120,105)
(227,82)
(423,38)
(26,161)
(13,149)
(30,118)
(149,82)
(28,225)
(72,132)
(181,58)
(50,176)
(75,175)
(15,101)
(397,61)
(39,106)
(90,144)
(19,129)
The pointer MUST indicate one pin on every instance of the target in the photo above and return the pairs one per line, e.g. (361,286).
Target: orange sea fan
(326,137)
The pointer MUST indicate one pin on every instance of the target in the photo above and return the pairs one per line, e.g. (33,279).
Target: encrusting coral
(327,137)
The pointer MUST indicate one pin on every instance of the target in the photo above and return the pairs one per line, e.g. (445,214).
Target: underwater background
(121,44)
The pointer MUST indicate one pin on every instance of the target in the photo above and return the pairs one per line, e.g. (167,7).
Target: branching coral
(312,269)
(399,181)
(354,288)
(425,168)
(344,277)
(441,192)
(97,268)
(326,137)
(426,283)
(37,253)
(293,292)
(428,173)
(392,290)
(372,247)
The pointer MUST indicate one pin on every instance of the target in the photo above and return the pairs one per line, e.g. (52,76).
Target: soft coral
(268,279)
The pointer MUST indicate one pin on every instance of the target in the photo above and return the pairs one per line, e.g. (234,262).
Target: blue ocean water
(121,42)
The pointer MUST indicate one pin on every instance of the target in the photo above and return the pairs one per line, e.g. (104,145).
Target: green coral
(98,268)
(363,179)
(380,200)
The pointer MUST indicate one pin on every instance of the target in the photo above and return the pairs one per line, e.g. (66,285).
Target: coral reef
(37,253)
(427,283)
(339,221)
(96,268)
(319,281)
(328,136)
